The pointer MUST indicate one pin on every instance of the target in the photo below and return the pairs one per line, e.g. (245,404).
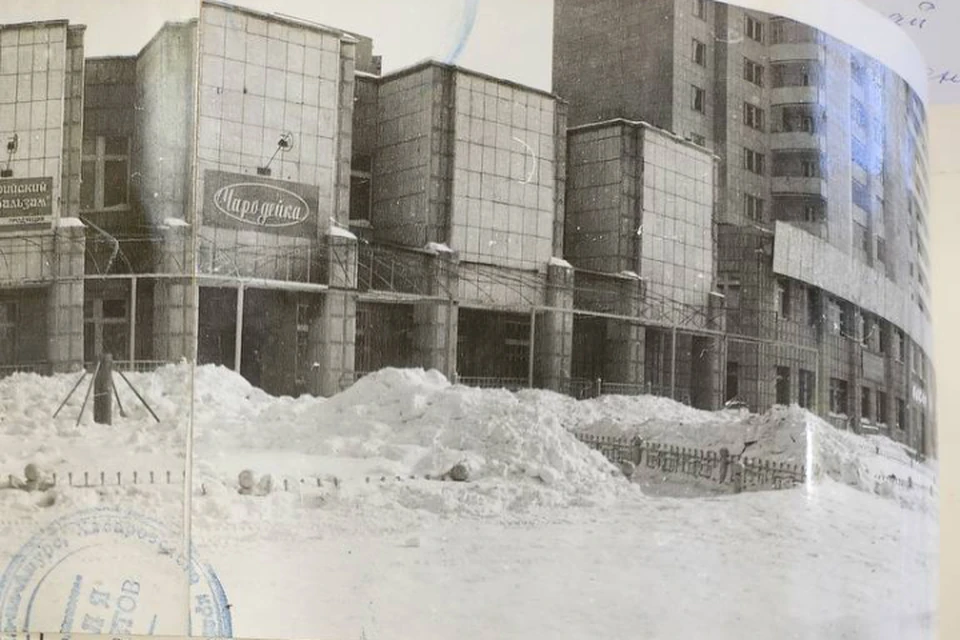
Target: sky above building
(505,38)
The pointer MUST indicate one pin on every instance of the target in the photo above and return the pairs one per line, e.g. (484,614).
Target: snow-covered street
(547,538)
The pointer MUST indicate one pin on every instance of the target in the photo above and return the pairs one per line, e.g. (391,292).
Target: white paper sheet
(931,26)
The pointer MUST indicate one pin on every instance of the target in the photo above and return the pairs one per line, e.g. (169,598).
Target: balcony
(796,51)
(799,185)
(795,95)
(796,140)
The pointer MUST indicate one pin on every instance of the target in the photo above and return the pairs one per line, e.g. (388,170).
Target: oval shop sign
(261,205)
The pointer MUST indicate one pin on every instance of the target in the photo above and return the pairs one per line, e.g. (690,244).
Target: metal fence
(738,473)
(511,384)
(40,368)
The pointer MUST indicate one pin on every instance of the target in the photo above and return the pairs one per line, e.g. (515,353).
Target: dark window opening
(753,72)
(733,381)
(806,383)
(838,396)
(698,97)
(866,404)
(753,116)
(882,412)
(754,29)
(753,207)
(783,385)
(753,161)
(700,53)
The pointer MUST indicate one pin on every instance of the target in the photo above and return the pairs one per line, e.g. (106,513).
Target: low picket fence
(740,473)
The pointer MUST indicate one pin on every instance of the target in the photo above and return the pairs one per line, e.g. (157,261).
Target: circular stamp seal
(109,571)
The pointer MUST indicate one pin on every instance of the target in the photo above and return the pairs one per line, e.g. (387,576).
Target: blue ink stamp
(109,571)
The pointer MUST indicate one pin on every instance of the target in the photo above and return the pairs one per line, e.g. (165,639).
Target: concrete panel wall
(504,187)
(165,74)
(592,238)
(614,59)
(261,79)
(401,171)
(677,234)
(34,75)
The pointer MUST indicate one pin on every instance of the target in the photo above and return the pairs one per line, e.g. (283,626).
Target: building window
(806,385)
(699,53)
(833,316)
(754,29)
(811,213)
(105,173)
(838,396)
(9,321)
(881,249)
(753,116)
(783,298)
(810,168)
(700,9)
(361,192)
(866,404)
(813,306)
(847,323)
(753,207)
(882,413)
(871,332)
(862,240)
(901,347)
(105,326)
(783,385)
(753,161)
(883,343)
(860,194)
(698,139)
(753,72)
(698,99)
(733,381)
(901,413)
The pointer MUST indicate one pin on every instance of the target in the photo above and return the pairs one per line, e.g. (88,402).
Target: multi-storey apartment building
(714,204)
(820,217)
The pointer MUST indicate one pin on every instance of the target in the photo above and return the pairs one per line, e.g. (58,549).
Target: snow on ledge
(175,222)
(633,275)
(437,248)
(559,262)
(70,222)
(340,232)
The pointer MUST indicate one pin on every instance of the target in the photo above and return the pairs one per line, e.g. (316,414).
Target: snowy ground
(547,539)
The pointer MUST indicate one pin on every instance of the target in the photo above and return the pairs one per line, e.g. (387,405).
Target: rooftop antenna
(285,143)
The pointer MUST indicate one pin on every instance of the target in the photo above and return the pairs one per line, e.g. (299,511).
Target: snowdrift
(518,447)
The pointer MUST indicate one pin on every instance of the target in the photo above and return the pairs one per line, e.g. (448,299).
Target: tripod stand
(102,384)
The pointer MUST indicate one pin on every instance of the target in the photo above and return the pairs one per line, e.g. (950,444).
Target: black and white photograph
(471,318)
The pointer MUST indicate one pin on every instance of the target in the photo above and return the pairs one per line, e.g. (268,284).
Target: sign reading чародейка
(26,202)
(254,203)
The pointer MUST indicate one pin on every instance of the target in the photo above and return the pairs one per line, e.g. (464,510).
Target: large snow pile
(414,422)
(518,447)
(393,423)
(789,435)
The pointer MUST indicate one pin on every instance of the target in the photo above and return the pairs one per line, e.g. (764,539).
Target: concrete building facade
(822,197)
(727,206)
